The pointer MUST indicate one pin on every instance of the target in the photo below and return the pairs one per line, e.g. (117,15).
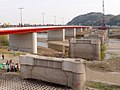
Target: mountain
(95,19)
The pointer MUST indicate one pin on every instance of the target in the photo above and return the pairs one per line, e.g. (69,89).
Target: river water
(113,49)
(44,36)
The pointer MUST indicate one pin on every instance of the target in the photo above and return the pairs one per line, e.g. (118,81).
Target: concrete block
(72,40)
(75,67)
(95,36)
(104,33)
(25,71)
(79,81)
(95,41)
(50,75)
(22,59)
(57,65)
(85,48)
(26,60)
(69,72)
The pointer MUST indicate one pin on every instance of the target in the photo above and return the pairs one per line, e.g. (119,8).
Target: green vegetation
(16,53)
(4,40)
(102,86)
(95,19)
(103,51)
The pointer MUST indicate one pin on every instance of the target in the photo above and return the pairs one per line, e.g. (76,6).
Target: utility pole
(21,20)
(103,27)
(55,20)
(43,17)
(62,20)
(103,14)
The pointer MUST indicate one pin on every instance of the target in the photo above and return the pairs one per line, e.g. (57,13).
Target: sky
(55,11)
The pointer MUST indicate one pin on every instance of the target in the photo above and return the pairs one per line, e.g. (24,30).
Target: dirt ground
(49,52)
(111,65)
(107,71)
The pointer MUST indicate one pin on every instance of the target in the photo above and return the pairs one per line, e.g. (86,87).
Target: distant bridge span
(25,38)
(21,30)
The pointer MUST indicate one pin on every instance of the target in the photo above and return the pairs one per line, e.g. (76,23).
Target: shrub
(103,51)
(4,40)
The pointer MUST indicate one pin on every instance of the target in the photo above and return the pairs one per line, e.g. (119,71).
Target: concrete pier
(56,35)
(69,72)
(85,48)
(23,42)
(79,30)
(104,33)
(70,33)
(85,29)
(95,36)
(34,42)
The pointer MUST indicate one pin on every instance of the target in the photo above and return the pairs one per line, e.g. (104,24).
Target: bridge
(25,38)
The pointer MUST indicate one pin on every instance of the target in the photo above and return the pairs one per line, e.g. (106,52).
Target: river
(113,49)
(44,36)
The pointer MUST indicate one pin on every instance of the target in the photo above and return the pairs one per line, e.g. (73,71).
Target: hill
(95,19)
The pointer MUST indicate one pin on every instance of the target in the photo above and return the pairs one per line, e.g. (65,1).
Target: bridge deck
(20,30)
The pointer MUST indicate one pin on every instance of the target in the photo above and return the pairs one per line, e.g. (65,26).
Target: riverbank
(96,70)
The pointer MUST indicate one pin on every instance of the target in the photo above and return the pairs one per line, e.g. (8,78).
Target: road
(105,77)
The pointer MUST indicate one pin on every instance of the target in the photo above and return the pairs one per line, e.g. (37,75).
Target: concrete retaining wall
(70,72)
(85,48)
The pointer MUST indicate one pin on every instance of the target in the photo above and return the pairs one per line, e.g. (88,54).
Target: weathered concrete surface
(95,36)
(56,35)
(70,33)
(69,72)
(104,33)
(85,48)
(79,30)
(24,42)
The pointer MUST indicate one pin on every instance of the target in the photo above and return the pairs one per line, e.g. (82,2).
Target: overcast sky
(63,10)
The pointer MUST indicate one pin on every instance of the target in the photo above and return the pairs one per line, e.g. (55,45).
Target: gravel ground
(12,81)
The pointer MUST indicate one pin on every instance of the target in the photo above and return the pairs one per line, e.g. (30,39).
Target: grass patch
(16,53)
(102,86)
(4,40)
(103,51)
